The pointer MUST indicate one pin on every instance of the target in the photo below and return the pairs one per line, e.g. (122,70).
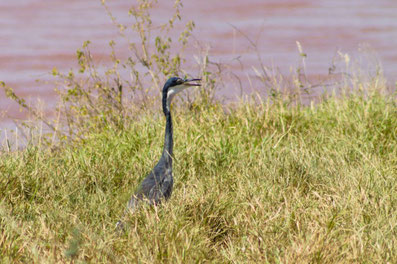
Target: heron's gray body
(156,186)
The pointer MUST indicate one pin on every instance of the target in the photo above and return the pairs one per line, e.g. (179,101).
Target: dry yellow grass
(261,183)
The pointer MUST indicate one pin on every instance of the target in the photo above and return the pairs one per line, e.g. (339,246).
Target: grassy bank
(260,182)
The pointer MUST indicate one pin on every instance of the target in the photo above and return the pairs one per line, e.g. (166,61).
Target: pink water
(37,35)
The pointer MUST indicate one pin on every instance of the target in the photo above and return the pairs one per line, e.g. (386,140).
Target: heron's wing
(166,185)
(157,186)
(147,185)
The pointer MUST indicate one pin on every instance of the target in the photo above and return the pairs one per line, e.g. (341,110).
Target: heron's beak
(187,82)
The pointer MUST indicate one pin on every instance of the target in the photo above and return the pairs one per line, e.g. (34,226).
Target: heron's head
(175,85)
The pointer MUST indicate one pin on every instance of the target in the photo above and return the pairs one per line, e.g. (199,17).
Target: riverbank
(260,182)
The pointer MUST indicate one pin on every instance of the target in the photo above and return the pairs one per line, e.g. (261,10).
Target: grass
(253,183)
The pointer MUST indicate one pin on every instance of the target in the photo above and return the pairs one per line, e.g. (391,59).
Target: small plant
(90,100)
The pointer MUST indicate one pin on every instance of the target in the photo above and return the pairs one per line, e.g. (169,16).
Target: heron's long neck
(168,141)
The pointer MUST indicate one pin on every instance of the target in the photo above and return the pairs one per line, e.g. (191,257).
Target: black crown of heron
(157,185)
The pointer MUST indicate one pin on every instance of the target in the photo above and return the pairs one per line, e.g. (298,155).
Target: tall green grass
(259,182)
